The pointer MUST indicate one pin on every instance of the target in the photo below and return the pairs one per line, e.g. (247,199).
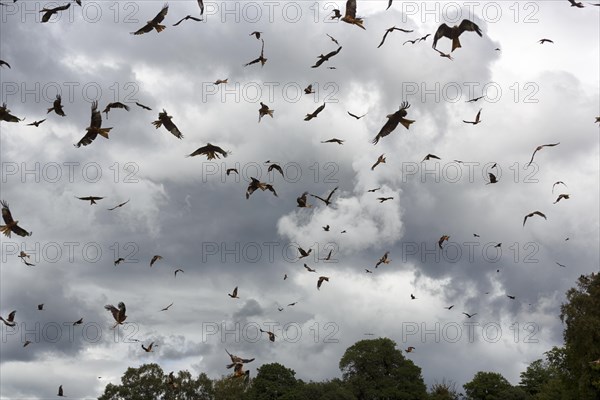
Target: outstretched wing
(201,5)
(351,8)
(161,15)
(443,31)
(470,26)
(114,311)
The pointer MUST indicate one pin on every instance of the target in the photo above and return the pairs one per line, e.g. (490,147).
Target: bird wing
(6,215)
(470,26)
(143,106)
(201,5)
(160,16)
(383,39)
(171,127)
(389,4)
(442,31)
(351,8)
(113,310)
(388,127)
(96,119)
(331,194)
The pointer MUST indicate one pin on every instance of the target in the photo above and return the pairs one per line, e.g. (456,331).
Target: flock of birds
(215,152)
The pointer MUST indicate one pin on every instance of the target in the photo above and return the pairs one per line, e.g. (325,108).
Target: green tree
(581,315)
(492,386)
(228,388)
(328,390)
(150,382)
(273,381)
(443,391)
(375,369)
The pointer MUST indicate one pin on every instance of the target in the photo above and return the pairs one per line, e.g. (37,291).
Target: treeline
(377,370)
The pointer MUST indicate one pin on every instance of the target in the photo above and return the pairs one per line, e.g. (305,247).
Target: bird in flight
(57,107)
(5,114)
(118,261)
(355,116)
(389,4)
(91,199)
(393,121)
(309,269)
(382,199)
(143,106)
(368,271)
(409,349)
(49,12)
(256,34)
(154,23)
(303,253)
(532,214)
(116,104)
(210,151)
(328,255)
(10,320)
(230,170)
(383,260)
(40,307)
(411,41)
(412,297)
(390,30)
(264,110)
(477,120)
(78,322)
(155,259)
(2,62)
(443,239)
(275,167)
(118,205)
(493,178)
(350,16)
(237,360)
(511,297)
(261,59)
(470,315)
(449,307)
(330,37)
(178,270)
(167,307)
(326,228)
(94,129)
(315,113)
(11,224)
(337,14)
(186,18)
(560,265)
(562,196)
(322,58)
(36,123)
(430,156)
(475,99)
(149,348)
(373,190)
(256,184)
(558,183)
(220,81)
(380,159)
(166,120)
(454,32)
(327,201)
(334,140)
(302,201)
(320,281)
(233,294)
(442,54)
(576,4)
(542,41)
(309,89)
(118,314)
(271,335)
(539,148)
(60,388)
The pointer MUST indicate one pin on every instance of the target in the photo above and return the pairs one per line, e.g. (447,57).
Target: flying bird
(380,159)
(576,4)
(118,314)
(315,113)
(430,156)
(10,320)
(334,140)
(264,110)
(40,307)
(2,62)
(327,201)
(560,265)
(302,202)
(331,37)
(449,307)
(143,106)
(60,388)
(309,89)
(337,14)
(442,54)
(409,349)
(178,270)
(220,81)
(373,190)
(562,196)
(356,116)
(532,214)
(320,281)
(11,224)
(328,255)
(210,151)
(78,322)
(511,297)
(275,167)
(322,58)
(389,4)
(309,269)
(542,41)
(261,59)
(36,123)
(368,271)
(411,41)
(477,120)
(154,23)
(303,253)
(493,178)
(390,30)
(539,148)
(116,104)
(443,239)
(94,129)
(475,99)
(91,199)
(558,183)
(424,37)
(27,343)
(454,32)
(49,12)
(271,335)
(326,228)
(5,115)
(118,261)
(233,294)
(412,297)
(149,348)
(256,34)
(382,199)
(155,259)
(166,120)
(393,121)
(118,205)
(237,360)
(167,307)
(57,107)
(186,18)
(470,315)
(350,16)
(383,260)
(230,170)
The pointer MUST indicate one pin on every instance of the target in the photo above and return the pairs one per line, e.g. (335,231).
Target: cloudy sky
(195,216)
